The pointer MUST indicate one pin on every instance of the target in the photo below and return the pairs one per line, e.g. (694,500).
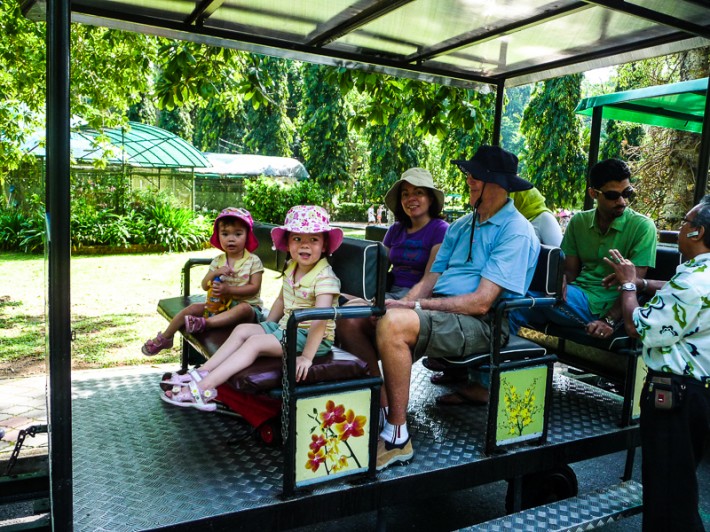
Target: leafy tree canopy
(554,160)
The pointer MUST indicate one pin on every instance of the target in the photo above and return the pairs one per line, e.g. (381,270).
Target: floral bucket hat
(306,219)
(242,215)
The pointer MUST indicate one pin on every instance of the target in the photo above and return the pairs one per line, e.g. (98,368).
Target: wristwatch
(417,305)
(628,287)
(609,321)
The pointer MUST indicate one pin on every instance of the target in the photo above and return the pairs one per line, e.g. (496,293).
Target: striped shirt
(244,268)
(302,294)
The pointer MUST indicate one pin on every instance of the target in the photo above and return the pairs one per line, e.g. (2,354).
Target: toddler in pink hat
(233,283)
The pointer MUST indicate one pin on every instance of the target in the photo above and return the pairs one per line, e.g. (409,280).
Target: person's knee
(347,329)
(397,326)
(194,309)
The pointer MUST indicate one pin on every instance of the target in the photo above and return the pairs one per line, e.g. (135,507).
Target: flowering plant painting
(329,446)
(520,409)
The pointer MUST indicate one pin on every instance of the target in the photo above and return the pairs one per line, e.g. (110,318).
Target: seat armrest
(507,304)
(191,263)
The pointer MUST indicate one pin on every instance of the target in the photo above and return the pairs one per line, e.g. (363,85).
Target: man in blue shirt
(485,255)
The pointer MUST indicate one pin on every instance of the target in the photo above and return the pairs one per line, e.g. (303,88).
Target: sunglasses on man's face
(613,195)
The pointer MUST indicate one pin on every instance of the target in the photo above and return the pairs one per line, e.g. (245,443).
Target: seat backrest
(548,271)
(361,265)
(271,258)
(667,260)
(375,232)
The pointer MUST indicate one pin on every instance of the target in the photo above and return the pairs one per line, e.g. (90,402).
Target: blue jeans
(572,313)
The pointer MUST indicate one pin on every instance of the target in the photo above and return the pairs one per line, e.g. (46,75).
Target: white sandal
(170,380)
(194,398)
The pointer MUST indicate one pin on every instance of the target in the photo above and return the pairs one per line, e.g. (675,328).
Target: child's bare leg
(252,348)
(241,313)
(177,323)
(239,335)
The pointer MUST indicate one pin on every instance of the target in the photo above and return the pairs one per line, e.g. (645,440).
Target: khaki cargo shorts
(443,334)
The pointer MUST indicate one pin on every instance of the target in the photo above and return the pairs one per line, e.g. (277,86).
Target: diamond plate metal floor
(585,512)
(140,463)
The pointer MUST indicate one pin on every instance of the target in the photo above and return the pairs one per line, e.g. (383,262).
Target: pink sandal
(156,345)
(195,324)
(202,400)
(170,380)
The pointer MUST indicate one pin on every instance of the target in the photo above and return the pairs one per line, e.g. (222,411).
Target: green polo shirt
(633,234)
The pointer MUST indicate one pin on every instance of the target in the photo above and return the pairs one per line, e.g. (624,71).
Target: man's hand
(599,329)
(399,303)
(624,269)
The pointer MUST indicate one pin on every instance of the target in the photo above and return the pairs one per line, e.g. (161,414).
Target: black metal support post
(595,136)
(58,255)
(701,179)
(498,118)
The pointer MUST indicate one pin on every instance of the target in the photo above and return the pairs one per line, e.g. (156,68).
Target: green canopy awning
(677,106)
(151,147)
(141,146)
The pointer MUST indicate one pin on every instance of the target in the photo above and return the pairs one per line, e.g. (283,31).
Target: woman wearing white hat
(412,242)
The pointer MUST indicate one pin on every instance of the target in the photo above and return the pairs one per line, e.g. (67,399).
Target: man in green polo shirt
(588,238)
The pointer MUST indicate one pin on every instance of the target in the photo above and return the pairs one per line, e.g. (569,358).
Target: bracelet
(645,285)
(417,305)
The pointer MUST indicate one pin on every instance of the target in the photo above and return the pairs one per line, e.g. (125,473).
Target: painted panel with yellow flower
(521,405)
(332,435)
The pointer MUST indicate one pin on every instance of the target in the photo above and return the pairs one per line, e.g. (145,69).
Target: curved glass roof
(140,145)
(148,147)
(242,165)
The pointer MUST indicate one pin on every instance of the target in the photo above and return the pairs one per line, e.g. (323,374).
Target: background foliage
(269,200)
(554,160)
(147,218)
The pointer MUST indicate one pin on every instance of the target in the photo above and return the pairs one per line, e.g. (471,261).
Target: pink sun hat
(306,219)
(242,215)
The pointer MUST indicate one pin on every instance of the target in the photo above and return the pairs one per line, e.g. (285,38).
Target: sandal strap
(198,396)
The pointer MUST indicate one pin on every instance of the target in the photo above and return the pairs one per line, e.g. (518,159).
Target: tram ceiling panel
(453,41)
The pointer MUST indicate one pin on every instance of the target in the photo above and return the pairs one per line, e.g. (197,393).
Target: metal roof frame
(472,42)
(445,41)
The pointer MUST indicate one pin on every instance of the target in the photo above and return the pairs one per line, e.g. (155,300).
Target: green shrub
(174,228)
(33,231)
(269,200)
(93,227)
(351,212)
(150,219)
(11,223)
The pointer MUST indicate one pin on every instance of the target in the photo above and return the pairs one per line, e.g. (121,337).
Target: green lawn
(113,304)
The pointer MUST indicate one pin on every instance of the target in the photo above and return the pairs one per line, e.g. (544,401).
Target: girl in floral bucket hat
(308,282)
(307,219)
(233,284)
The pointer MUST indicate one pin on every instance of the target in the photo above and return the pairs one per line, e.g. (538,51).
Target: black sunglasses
(613,195)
